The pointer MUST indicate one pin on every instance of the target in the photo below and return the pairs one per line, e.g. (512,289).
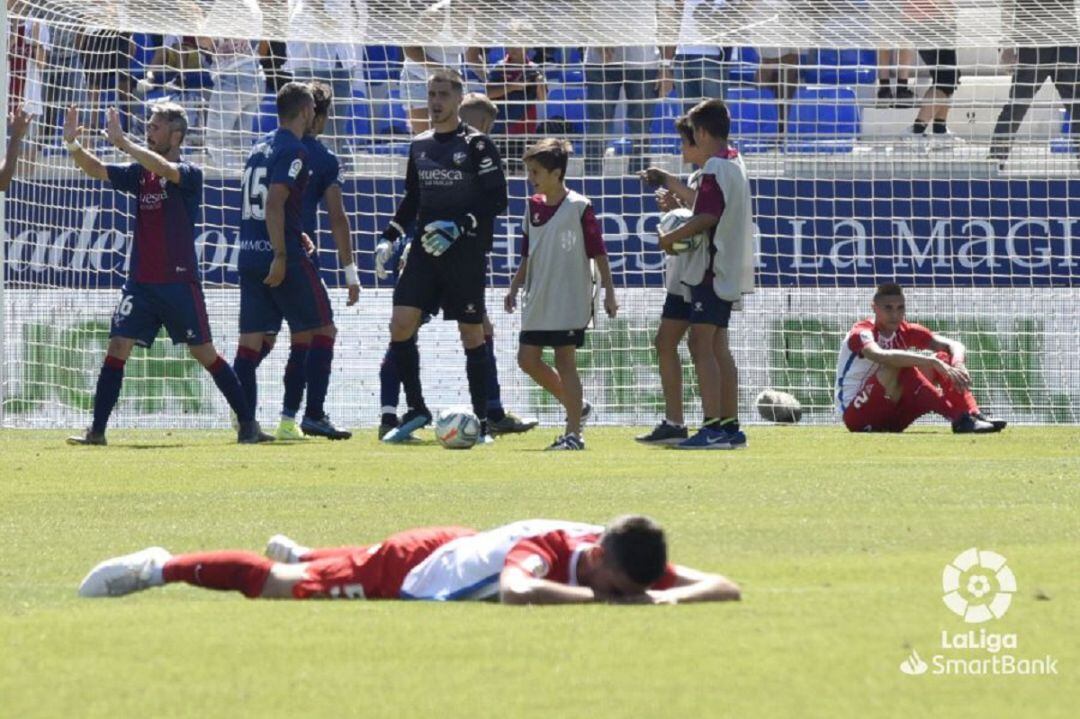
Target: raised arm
(146,157)
(18,123)
(342,234)
(83,158)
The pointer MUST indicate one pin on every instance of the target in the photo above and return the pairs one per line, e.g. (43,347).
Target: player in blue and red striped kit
(323,187)
(277,278)
(163,288)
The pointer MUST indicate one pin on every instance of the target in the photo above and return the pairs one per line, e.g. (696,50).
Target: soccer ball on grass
(781,407)
(457,428)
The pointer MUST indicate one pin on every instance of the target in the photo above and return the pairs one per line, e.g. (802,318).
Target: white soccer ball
(781,407)
(675,219)
(457,428)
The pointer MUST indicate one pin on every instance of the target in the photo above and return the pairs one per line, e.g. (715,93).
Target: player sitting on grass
(323,186)
(672,193)
(479,112)
(531,562)
(883,383)
(717,273)
(18,124)
(163,288)
(562,239)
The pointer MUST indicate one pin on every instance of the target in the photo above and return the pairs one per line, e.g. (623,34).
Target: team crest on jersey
(459,158)
(295,167)
(480,145)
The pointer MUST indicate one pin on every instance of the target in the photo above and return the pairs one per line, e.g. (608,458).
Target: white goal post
(824,97)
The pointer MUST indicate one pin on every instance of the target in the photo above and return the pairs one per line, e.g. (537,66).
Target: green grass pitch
(838,542)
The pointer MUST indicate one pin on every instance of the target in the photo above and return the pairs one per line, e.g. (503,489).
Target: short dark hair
(174,114)
(324,97)
(888,289)
(635,544)
(479,102)
(550,154)
(686,130)
(291,99)
(445,74)
(713,117)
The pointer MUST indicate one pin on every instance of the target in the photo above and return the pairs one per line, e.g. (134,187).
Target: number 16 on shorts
(127,303)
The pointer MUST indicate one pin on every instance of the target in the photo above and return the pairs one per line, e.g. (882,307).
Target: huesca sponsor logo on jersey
(440,176)
(255,245)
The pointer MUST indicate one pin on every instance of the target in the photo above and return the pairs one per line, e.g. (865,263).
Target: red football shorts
(873,411)
(374,572)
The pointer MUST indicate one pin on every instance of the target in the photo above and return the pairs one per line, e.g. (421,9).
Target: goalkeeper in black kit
(454,189)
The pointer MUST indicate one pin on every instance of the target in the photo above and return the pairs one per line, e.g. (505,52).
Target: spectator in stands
(903,96)
(1033,65)
(234,102)
(699,66)
(779,72)
(517,85)
(637,72)
(181,68)
(273,55)
(64,78)
(937,100)
(336,64)
(106,57)
(421,61)
(28,54)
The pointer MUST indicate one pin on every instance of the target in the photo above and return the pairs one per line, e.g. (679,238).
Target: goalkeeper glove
(384,251)
(440,234)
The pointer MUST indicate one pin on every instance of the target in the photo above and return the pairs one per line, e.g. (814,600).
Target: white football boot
(124,575)
(284,550)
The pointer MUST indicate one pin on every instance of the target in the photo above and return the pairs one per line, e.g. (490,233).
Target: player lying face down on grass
(884,383)
(537,561)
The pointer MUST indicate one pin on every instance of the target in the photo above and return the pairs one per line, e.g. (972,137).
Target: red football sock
(245,572)
(923,396)
(323,553)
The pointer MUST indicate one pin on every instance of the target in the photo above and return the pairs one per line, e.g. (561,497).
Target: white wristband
(73,145)
(352,277)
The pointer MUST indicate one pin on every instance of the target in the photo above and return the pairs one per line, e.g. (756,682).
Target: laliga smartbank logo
(978,587)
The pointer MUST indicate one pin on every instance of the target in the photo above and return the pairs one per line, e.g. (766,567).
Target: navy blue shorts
(144,308)
(552,338)
(706,308)
(301,300)
(676,308)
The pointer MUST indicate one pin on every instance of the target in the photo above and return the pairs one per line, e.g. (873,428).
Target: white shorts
(469,567)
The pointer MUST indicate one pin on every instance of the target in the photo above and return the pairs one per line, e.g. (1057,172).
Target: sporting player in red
(531,562)
(883,383)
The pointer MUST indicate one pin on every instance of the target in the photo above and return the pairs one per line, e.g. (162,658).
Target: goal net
(928,142)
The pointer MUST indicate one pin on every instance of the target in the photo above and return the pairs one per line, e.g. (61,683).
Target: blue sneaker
(413,420)
(736,438)
(707,438)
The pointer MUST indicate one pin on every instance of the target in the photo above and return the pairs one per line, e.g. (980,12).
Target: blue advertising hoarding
(812,233)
